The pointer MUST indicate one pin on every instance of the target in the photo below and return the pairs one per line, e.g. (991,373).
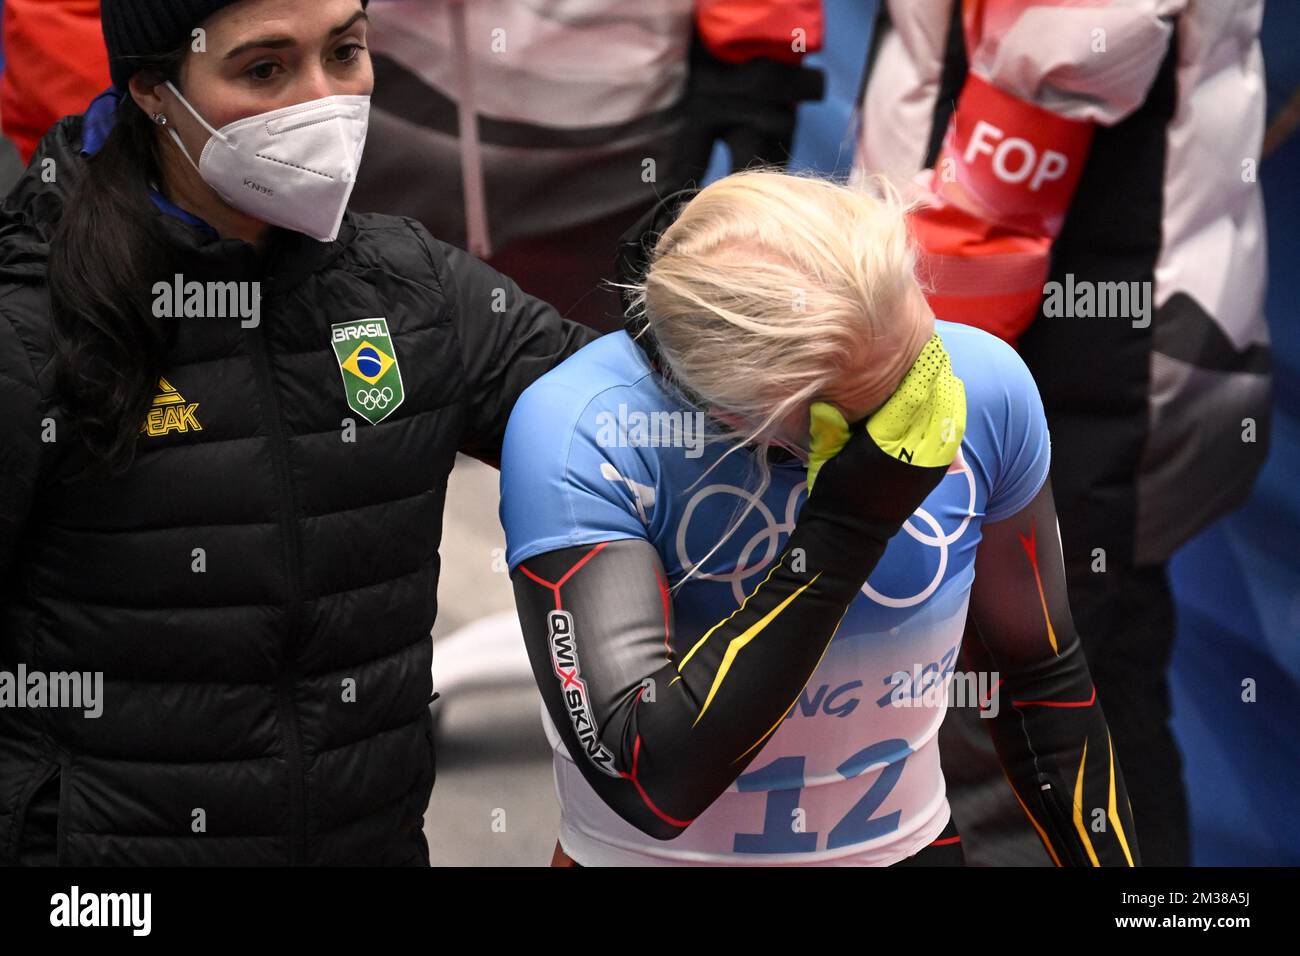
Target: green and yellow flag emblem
(368,363)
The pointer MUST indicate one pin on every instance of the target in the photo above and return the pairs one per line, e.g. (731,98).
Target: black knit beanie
(148,27)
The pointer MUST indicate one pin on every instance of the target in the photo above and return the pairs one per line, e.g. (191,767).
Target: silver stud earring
(160,119)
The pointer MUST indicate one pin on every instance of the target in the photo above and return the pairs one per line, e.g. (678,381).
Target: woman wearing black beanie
(228,410)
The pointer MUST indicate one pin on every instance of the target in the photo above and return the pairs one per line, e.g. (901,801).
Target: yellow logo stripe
(700,642)
(1112,812)
(1042,598)
(1078,809)
(167,394)
(772,729)
(738,644)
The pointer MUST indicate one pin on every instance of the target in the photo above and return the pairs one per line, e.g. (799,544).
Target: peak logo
(170,413)
(573,689)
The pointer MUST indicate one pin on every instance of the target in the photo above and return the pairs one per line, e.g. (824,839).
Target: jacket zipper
(289,529)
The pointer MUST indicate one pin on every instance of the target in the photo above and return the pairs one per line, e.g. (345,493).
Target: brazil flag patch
(368,361)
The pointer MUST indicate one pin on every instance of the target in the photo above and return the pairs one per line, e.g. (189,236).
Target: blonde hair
(773,290)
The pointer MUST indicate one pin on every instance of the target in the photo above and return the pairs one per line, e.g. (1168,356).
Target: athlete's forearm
(1052,738)
(661,722)
(1049,730)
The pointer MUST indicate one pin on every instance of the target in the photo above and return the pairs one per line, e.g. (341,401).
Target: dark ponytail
(104,254)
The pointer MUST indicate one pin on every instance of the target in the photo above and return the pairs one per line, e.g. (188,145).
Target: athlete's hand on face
(881,468)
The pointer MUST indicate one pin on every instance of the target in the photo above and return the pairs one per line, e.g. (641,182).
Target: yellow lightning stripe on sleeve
(1112,813)
(772,729)
(700,642)
(1042,598)
(738,644)
(1078,809)
(768,732)
(1041,834)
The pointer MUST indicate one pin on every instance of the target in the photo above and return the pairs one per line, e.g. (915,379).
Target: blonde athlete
(742,661)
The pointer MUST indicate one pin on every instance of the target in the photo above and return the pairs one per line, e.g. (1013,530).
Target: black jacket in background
(224,691)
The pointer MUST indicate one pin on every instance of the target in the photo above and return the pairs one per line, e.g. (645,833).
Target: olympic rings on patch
(374,398)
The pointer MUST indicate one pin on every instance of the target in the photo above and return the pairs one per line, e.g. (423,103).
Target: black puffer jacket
(265,698)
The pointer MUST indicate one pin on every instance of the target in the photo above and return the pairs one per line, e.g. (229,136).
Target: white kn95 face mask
(293,167)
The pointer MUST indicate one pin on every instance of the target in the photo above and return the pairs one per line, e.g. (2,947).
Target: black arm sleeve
(660,722)
(1048,728)
(508,340)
